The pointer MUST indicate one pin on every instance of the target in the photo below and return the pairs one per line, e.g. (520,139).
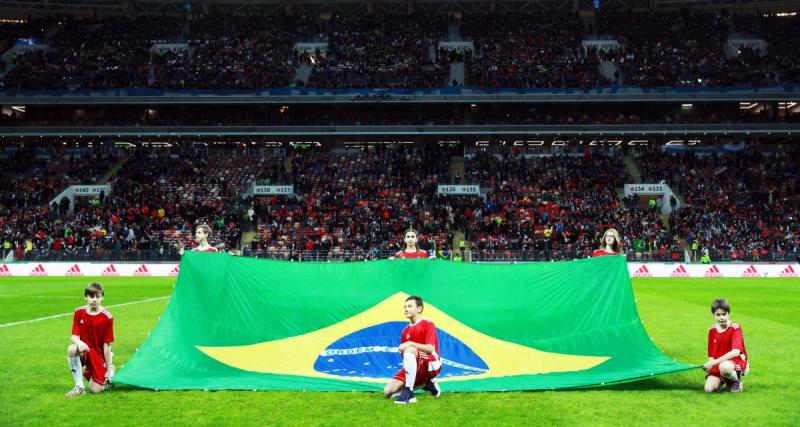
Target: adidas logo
(642,272)
(38,271)
(680,271)
(74,271)
(751,272)
(787,272)
(713,272)
(142,271)
(175,270)
(110,271)
(4,271)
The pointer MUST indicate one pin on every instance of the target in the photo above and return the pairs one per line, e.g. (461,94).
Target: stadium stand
(355,203)
(540,49)
(742,204)
(530,50)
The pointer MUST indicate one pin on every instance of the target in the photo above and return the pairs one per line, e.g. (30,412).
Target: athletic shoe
(406,396)
(433,387)
(736,386)
(76,391)
(108,385)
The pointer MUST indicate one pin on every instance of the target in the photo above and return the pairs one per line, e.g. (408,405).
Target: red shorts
(738,364)
(424,374)
(95,367)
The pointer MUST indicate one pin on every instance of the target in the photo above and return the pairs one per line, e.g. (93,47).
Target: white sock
(410,365)
(77,370)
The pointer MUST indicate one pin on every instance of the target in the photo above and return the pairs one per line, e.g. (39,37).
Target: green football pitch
(36,316)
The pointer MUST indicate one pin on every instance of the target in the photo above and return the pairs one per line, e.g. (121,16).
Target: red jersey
(423,332)
(720,343)
(601,252)
(94,330)
(410,255)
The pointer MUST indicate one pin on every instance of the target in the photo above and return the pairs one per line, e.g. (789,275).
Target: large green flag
(242,323)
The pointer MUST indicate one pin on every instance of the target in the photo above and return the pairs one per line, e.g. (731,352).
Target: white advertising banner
(77,269)
(90,190)
(646,189)
(467,190)
(662,190)
(457,45)
(636,269)
(273,190)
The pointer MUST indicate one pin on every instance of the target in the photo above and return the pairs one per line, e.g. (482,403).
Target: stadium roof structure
(136,7)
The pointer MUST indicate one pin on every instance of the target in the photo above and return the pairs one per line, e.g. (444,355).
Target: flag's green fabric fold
(242,323)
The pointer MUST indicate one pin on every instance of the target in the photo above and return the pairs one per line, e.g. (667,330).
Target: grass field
(675,313)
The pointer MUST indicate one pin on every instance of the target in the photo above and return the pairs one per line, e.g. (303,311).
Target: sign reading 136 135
(472,189)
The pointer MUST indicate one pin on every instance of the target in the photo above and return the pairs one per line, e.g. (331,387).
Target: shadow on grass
(650,384)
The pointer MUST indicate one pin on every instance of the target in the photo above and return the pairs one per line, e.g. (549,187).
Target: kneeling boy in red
(420,349)
(92,335)
(727,355)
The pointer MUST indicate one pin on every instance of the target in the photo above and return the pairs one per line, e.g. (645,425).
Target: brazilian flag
(241,323)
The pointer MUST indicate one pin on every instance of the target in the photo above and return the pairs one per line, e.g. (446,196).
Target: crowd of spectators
(382,50)
(156,200)
(234,52)
(739,204)
(517,49)
(687,48)
(782,44)
(94,54)
(32,177)
(357,202)
(32,31)
(557,203)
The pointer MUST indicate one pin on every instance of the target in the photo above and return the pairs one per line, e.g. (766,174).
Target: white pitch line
(78,299)
(55,316)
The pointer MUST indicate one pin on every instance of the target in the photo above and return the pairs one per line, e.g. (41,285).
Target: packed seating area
(668,49)
(12,32)
(382,50)
(558,203)
(156,200)
(687,48)
(32,177)
(741,204)
(357,201)
(400,50)
(233,52)
(782,44)
(534,50)
(94,54)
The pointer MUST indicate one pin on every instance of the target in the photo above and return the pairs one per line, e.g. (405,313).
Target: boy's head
(413,306)
(94,294)
(721,309)
(202,232)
